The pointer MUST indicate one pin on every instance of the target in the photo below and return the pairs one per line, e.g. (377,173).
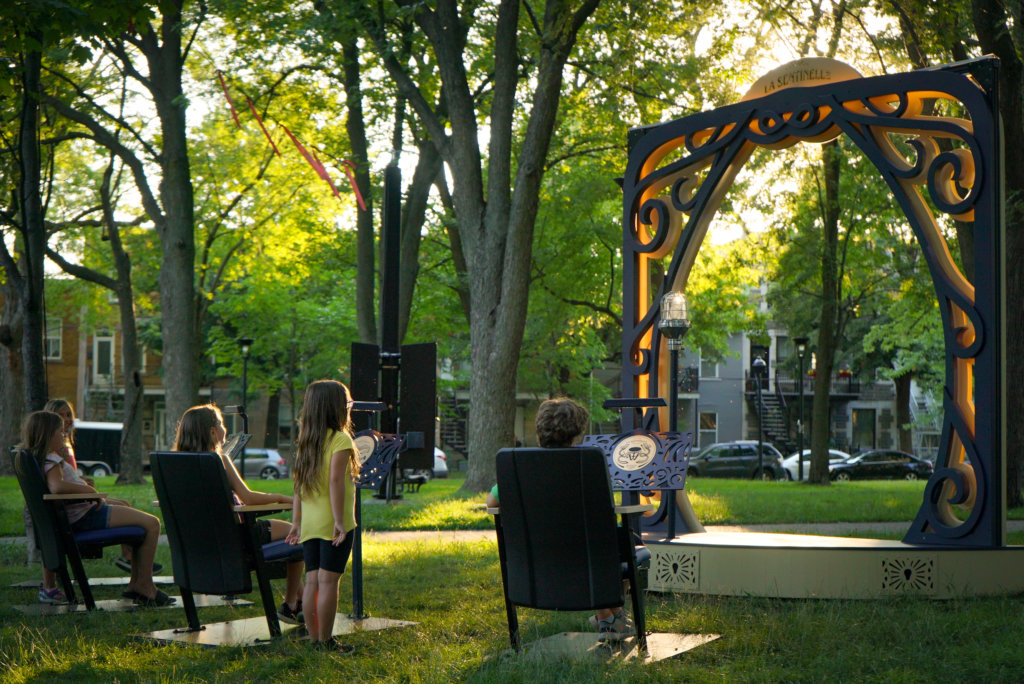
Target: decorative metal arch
(678,173)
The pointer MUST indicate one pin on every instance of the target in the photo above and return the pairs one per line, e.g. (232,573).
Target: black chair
(558,541)
(214,543)
(57,543)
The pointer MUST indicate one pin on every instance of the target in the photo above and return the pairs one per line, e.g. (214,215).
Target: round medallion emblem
(365,444)
(634,452)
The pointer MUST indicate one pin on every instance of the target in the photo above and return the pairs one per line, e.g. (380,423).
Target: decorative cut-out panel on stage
(933,136)
(674,569)
(910,574)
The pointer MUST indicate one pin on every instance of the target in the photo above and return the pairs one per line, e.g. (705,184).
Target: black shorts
(321,554)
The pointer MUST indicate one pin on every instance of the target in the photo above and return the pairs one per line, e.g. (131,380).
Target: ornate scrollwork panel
(679,172)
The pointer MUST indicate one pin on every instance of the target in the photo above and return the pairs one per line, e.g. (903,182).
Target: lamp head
(801,346)
(674,321)
(244,343)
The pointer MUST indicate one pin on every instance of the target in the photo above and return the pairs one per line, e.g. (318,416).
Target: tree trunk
(33,233)
(366,310)
(177,237)
(428,167)
(825,354)
(903,418)
(273,418)
(992,21)
(12,380)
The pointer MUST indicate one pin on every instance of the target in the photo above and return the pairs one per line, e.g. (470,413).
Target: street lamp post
(801,350)
(760,368)
(244,343)
(674,323)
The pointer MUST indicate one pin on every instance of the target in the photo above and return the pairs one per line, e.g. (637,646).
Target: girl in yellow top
(324,514)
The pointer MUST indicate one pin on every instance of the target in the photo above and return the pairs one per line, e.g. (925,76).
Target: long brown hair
(55,405)
(37,431)
(195,429)
(325,410)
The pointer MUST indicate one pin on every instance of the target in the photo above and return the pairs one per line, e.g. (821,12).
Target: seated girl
(42,435)
(201,430)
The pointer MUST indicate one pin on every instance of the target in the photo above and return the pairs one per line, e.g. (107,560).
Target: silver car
(266,464)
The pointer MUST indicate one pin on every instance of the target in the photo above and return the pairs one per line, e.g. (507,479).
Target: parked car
(737,459)
(267,464)
(882,464)
(793,468)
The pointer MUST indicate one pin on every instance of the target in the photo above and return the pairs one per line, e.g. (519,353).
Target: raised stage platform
(809,566)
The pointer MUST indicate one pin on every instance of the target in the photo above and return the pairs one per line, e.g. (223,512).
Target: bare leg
(293,584)
(49,579)
(326,602)
(309,605)
(142,562)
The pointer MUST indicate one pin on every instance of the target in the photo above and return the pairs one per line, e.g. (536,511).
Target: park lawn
(439,506)
(454,592)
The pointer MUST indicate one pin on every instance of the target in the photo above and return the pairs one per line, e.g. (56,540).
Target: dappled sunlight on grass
(711,509)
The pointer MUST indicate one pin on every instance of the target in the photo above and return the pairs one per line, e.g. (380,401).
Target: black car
(882,464)
(737,459)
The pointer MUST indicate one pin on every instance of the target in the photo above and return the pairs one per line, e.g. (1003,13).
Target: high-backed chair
(58,544)
(215,543)
(558,540)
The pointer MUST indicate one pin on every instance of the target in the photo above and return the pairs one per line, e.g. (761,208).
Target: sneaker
(54,597)
(335,646)
(615,627)
(126,565)
(292,616)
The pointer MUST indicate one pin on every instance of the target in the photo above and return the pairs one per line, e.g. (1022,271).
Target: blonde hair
(325,410)
(55,405)
(37,431)
(195,429)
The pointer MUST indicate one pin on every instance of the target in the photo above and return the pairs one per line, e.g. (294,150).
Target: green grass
(454,592)
(439,506)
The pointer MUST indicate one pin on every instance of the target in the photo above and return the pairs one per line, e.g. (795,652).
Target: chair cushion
(281,550)
(127,534)
(643,558)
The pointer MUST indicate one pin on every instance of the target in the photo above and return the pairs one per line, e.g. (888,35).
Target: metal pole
(760,428)
(245,413)
(673,418)
(800,426)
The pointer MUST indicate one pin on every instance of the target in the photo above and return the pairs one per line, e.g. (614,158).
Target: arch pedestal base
(807,566)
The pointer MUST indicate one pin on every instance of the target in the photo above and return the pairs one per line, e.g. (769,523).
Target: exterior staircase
(453,425)
(776,420)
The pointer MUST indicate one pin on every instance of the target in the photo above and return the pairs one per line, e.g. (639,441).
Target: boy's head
(559,422)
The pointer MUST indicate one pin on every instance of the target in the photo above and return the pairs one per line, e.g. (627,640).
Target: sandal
(129,594)
(158,601)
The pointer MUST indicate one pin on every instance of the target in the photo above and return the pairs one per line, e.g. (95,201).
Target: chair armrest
(83,496)
(493,510)
(262,508)
(633,509)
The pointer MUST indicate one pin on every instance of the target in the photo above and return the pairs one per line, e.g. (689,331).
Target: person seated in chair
(42,435)
(560,423)
(201,430)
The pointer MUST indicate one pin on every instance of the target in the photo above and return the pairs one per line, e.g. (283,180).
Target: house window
(708,368)
(708,428)
(54,337)
(103,357)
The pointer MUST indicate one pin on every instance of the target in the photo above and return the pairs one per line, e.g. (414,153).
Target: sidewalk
(862,529)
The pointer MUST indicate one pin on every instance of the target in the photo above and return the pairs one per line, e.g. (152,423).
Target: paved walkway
(860,529)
